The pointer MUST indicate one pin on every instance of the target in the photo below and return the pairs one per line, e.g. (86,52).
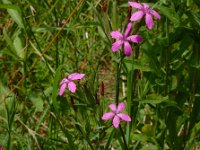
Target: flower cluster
(124,39)
(121,40)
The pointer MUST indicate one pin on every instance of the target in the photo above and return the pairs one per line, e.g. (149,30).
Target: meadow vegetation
(145,96)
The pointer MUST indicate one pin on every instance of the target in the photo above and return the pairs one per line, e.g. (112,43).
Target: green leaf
(10,6)
(14,12)
(157,99)
(137,64)
(11,49)
(114,15)
(37,102)
(154,99)
(112,134)
(19,47)
(194,18)
(170,13)
(193,136)
(56,87)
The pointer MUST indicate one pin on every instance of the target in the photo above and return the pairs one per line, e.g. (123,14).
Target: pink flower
(144,10)
(69,82)
(124,39)
(116,114)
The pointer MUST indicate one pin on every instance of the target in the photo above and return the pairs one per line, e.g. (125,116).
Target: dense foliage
(43,41)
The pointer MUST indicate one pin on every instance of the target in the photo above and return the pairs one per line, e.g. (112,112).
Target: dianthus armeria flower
(116,114)
(68,82)
(124,40)
(144,10)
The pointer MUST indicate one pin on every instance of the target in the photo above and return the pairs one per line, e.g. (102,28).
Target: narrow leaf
(14,12)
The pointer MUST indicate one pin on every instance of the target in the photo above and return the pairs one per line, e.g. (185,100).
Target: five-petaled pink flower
(144,10)
(124,39)
(116,114)
(69,82)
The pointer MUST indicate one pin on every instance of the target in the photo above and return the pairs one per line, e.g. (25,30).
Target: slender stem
(167,55)
(117,82)
(118,77)
(57,59)
(124,139)
(117,96)
(57,53)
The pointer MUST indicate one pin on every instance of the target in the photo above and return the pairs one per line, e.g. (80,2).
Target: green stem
(57,56)
(124,139)
(117,82)
(118,78)
(167,55)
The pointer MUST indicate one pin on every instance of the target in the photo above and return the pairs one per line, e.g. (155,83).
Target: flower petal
(146,6)
(135,5)
(124,117)
(107,116)
(128,29)
(76,76)
(135,38)
(62,88)
(137,15)
(113,107)
(65,80)
(127,49)
(149,21)
(72,87)
(116,35)
(155,13)
(116,121)
(120,107)
(116,46)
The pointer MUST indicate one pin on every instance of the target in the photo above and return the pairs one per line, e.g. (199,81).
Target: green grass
(159,82)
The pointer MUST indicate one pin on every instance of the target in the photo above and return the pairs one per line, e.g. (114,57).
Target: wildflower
(124,39)
(69,82)
(144,10)
(116,114)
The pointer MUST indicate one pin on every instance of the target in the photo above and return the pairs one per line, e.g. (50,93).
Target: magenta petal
(153,12)
(116,35)
(116,46)
(76,76)
(113,107)
(124,117)
(65,80)
(137,15)
(128,29)
(146,6)
(72,87)
(135,38)
(135,5)
(127,49)
(107,116)
(149,21)
(62,88)
(120,107)
(116,121)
